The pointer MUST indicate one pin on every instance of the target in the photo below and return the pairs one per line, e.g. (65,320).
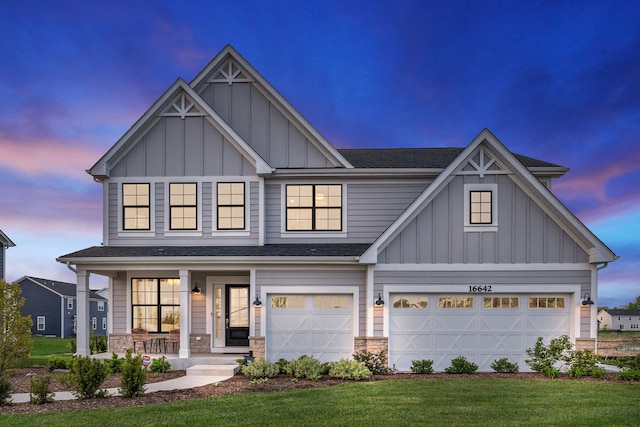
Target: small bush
(349,369)
(629,374)
(115,363)
(58,362)
(375,362)
(460,365)
(134,376)
(503,366)
(282,364)
(305,367)
(98,344)
(86,377)
(5,390)
(73,345)
(39,392)
(159,366)
(261,368)
(584,364)
(424,366)
(544,359)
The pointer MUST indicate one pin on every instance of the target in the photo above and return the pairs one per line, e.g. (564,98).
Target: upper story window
(136,207)
(183,206)
(231,206)
(480,204)
(313,207)
(100,305)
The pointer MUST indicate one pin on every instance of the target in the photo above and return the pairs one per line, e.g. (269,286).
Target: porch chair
(139,335)
(174,338)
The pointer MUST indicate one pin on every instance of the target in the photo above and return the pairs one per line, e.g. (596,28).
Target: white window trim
(104,323)
(167,207)
(152,208)
(94,323)
(100,305)
(306,234)
(493,227)
(246,232)
(69,303)
(41,320)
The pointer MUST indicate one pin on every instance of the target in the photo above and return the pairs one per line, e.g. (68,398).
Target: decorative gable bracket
(230,73)
(482,164)
(182,107)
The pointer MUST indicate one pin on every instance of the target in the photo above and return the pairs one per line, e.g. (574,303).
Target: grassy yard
(43,348)
(455,401)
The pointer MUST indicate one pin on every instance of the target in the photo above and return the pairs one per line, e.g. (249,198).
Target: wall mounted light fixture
(196,290)
(257,302)
(586,299)
(379,302)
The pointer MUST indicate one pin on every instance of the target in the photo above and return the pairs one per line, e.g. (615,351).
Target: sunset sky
(554,80)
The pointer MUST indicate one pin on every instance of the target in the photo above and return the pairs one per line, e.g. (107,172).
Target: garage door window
(289,301)
(410,301)
(331,301)
(501,302)
(455,302)
(546,302)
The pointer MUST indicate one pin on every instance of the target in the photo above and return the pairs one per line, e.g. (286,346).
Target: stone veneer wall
(586,344)
(198,343)
(256,345)
(372,344)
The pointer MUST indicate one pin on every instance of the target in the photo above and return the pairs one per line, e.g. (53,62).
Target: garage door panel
(495,327)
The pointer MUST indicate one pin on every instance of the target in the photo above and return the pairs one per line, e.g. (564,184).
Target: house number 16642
(477,289)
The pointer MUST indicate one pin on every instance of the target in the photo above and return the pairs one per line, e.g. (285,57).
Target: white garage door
(482,328)
(314,325)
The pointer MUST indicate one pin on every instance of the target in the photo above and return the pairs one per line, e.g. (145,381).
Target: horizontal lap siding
(314,280)
(119,304)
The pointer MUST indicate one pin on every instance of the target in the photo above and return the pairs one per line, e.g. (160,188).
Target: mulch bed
(234,385)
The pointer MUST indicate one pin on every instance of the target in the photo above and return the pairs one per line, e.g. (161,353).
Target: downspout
(75,270)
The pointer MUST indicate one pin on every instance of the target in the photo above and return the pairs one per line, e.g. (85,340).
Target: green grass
(43,348)
(455,401)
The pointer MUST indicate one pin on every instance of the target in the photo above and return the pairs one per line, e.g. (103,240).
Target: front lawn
(455,401)
(43,348)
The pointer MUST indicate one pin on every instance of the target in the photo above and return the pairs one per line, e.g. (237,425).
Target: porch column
(185,313)
(82,313)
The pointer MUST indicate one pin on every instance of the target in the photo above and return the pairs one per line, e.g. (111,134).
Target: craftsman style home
(228,216)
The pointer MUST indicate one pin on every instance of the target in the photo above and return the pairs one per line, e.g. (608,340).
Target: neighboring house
(229,216)
(618,320)
(53,308)
(5,243)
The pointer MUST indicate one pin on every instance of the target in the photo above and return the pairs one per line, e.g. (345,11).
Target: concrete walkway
(185,382)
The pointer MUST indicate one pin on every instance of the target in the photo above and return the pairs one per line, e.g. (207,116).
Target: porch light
(586,299)
(195,290)
(379,302)
(257,302)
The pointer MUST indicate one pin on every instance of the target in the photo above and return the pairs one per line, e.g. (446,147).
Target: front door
(237,316)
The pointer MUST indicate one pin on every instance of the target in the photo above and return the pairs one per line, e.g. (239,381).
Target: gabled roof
(5,241)
(598,251)
(129,139)
(621,312)
(251,74)
(62,289)
(424,158)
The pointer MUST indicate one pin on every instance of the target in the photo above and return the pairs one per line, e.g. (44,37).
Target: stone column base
(256,345)
(372,344)
(586,344)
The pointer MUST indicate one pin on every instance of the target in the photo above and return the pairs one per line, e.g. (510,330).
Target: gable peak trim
(230,72)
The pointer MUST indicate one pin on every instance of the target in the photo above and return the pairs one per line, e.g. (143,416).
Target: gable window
(231,206)
(155,304)
(314,207)
(183,206)
(480,205)
(41,323)
(136,207)
(100,305)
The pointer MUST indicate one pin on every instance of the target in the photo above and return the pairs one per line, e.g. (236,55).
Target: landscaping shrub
(584,364)
(261,368)
(375,362)
(73,345)
(134,376)
(503,366)
(39,392)
(424,366)
(85,377)
(349,369)
(58,362)
(543,359)
(115,363)
(282,364)
(460,365)
(98,344)
(5,390)
(159,366)
(628,374)
(305,367)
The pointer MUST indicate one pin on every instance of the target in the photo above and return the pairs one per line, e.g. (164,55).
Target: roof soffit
(230,67)
(180,100)
(485,154)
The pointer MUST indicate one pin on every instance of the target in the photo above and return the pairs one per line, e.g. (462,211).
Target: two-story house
(229,216)
(52,307)
(5,243)
(614,319)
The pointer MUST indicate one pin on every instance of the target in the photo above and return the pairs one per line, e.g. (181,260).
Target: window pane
(170,318)
(146,317)
(144,291)
(299,219)
(231,205)
(480,207)
(170,291)
(289,301)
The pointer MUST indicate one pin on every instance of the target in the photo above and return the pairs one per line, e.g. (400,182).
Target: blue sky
(555,80)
